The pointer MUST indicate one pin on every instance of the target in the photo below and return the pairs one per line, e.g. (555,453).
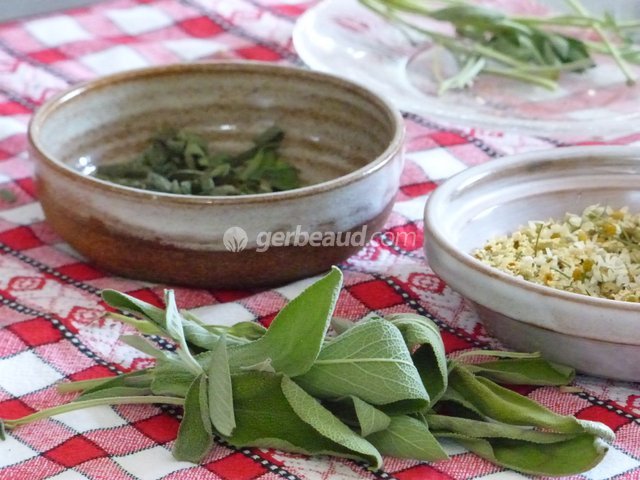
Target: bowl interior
(501,197)
(331,127)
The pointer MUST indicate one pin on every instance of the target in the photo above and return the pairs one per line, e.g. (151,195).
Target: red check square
(75,451)
(201,27)
(36,332)
(236,467)
(376,294)
(602,414)
(161,428)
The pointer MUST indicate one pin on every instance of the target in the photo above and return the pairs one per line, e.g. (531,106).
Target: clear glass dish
(345,38)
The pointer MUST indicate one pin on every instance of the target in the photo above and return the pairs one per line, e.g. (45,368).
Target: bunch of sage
(382,386)
(536,50)
(180,162)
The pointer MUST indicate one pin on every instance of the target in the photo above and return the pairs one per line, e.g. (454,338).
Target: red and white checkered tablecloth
(51,325)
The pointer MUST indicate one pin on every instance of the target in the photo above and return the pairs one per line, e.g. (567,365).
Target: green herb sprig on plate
(180,162)
(535,50)
(382,386)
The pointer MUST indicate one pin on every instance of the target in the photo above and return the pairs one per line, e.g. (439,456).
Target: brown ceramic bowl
(345,141)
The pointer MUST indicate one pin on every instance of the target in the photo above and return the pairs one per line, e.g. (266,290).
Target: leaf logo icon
(235,239)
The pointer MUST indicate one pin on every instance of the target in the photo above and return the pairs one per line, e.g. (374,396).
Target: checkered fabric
(51,324)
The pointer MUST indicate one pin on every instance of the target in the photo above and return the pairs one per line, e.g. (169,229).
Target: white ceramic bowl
(594,335)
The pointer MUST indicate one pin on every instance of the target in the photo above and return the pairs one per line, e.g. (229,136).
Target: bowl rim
(393,148)
(442,194)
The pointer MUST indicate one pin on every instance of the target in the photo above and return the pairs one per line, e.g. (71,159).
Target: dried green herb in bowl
(181,162)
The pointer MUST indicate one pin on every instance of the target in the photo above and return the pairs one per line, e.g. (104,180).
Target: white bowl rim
(394,147)
(442,193)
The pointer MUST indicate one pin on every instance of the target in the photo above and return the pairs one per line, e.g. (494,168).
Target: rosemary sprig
(536,50)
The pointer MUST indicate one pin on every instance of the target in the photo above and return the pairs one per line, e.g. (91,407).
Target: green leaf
(323,421)
(575,455)
(171,377)
(173,321)
(195,437)
(138,379)
(265,419)
(127,303)
(358,413)
(3,433)
(371,419)
(73,406)
(485,429)
(407,437)
(248,331)
(524,371)
(370,361)
(143,345)
(113,392)
(422,337)
(220,390)
(455,404)
(507,406)
(192,331)
(296,335)
(146,327)
(198,335)
(460,14)
(495,353)
(341,325)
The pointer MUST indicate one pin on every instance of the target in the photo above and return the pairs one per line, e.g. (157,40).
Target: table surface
(51,324)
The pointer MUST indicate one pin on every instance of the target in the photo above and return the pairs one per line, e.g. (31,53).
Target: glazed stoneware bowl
(594,335)
(345,141)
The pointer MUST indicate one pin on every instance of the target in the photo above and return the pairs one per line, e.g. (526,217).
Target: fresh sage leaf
(407,437)
(127,303)
(422,337)
(577,454)
(509,407)
(341,325)
(297,334)
(146,327)
(310,411)
(495,353)
(241,332)
(138,379)
(265,419)
(525,371)
(81,385)
(485,429)
(358,414)
(220,390)
(370,361)
(454,403)
(264,366)
(143,345)
(370,419)
(195,436)
(173,321)
(171,377)
(114,392)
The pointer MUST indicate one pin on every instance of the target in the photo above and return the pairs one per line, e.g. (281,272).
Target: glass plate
(345,38)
